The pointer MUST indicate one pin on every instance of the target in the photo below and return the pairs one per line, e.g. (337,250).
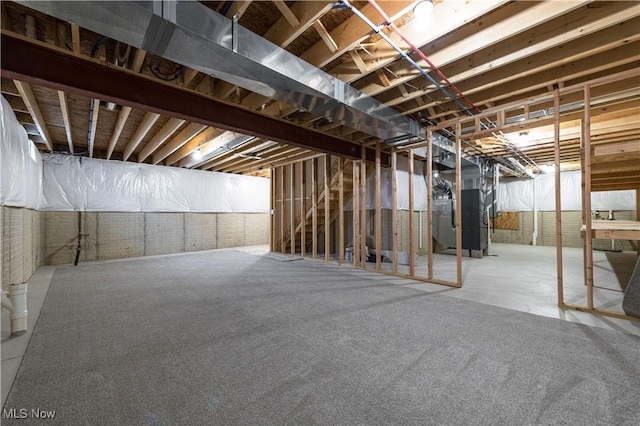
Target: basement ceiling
(490,52)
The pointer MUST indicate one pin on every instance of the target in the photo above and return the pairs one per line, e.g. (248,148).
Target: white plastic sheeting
(517,194)
(75,183)
(20,163)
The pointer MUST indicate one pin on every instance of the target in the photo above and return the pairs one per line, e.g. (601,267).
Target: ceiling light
(423,9)
(197,154)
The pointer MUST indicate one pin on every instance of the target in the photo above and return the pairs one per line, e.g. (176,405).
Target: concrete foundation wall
(571,223)
(120,235)
(21,241)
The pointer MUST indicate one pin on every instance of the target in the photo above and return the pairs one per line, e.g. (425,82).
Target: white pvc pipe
(18,296)
(6,303)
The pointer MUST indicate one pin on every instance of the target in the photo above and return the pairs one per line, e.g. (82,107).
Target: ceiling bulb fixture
(423,9)
(198,154)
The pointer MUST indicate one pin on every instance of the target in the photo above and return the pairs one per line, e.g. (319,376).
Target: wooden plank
(558,199)
(314,208)
(325,36)
(272,201)
(378,220)
(292,210)
(34,110)
(382,76)
(64,107)
(340,210)
(287,13)
(604,312)
(327,208)
(94,124)
(615,148)
(586,206)
(363,208)
(303,208)
(308,12)
(123,116)
(458,205)
(159,138)
(190,131)
(638,217)
(394,210)
(357,59)
(238,8)
(356,213)
(412,245)
(75,37)
(143,128)
(430,204)
(281,209)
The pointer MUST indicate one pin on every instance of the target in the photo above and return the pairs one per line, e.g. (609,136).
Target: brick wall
(21,241)
(110,235)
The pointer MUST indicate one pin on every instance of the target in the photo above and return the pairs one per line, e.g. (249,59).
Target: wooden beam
(558,187)
(272,239)
(123,116)
(292,209)
(383,77)
(325,36)
(188,133)
(412,244)
(458,205)
(378,220)
(314,208)
(357,59)
(308,12)
(303,208)
(95,107)
(143,128)
(75,37)
(356,213)
(341,210)
(363,208)
(586,208)
(327,208)
(238,8)
(287,13)
(430,203)
(205,137)
(281,208)
(26,93)
(394,209)
(638,217)
(159,138)
(64,107)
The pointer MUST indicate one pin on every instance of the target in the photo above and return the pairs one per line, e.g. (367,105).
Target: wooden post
(303,208)
(327,208)
(638,217)
(281,208)
(429,204)
(412,246)
(356,213)
(556,137)
(458,205)
(378,221)
(292,212)
(363,207)
(394,209)
(586,208)
(272,244)
(314,207)
(340,210)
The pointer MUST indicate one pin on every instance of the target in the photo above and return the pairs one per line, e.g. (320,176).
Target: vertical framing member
(429,204)
(556,153)
(314,207)
(272,245)
(412,245)
(458,205)
(586,207)
(303,208)
(327,208)
(356,212)
(378,220)
(363,207)
(340,210)
(292,210)
(283,248)
(394,209)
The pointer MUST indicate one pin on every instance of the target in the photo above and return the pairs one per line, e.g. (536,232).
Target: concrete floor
(521,278)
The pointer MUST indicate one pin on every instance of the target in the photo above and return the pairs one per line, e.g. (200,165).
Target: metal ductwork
(191,34)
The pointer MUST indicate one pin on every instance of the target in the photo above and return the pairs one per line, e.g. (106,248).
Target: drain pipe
(16,304)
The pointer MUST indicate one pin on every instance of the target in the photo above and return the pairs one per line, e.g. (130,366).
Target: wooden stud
(356,212)
(159,138)
(325,36)
(357,59)
(430,204)
(638,217)
(272,245)
(283,249)
(238,8)
(292,210)
(382,76)
(30,26)
(94,124)
(586,207)
(303,208)
(378,220)
(394,209)
(186,135)
(34,110)
(556,132)
(287,13)
(75,37)
(327,208)
(314,207)
(363,207)
(64,107)
(412,245)
(458,204)
(341,210)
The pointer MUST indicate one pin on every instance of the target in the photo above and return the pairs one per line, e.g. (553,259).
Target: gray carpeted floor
(232,338)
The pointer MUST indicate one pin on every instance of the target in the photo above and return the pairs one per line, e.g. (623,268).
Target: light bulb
(197,154)
(423,9)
